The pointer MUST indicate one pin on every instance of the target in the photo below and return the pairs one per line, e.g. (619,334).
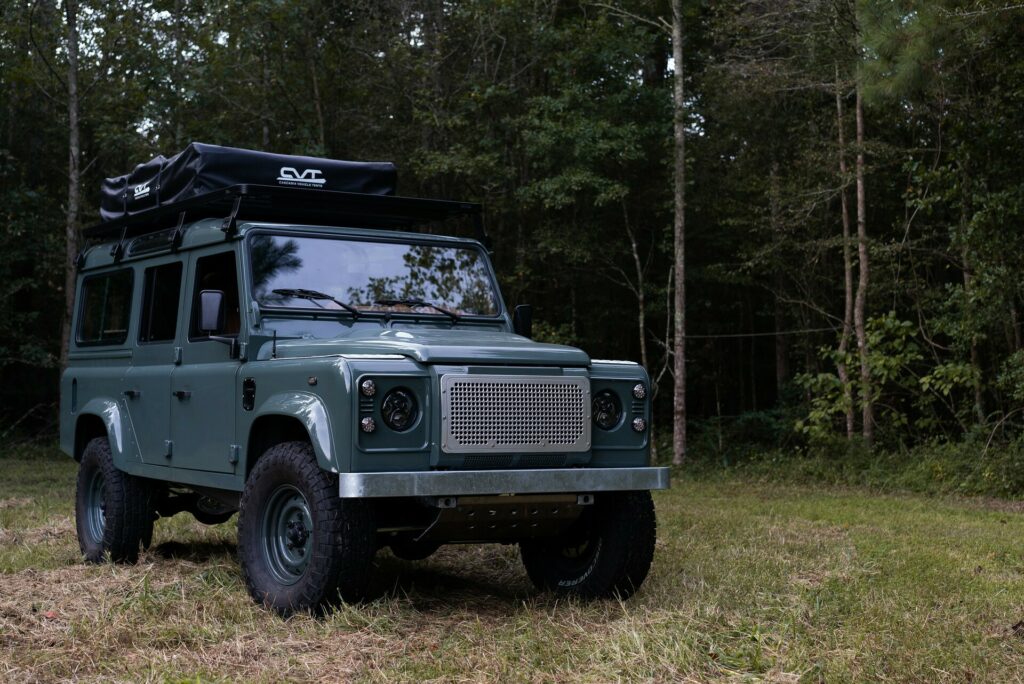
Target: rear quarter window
(106,302)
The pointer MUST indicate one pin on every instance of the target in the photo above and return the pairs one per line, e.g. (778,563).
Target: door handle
(132,394)
(182,394)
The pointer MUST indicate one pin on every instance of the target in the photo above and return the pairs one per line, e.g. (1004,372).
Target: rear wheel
(113,514)
(606,553)
(301,547)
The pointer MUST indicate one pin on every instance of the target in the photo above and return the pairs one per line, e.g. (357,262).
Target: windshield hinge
(481,233)
(117,251)
(230,225)
(179,233)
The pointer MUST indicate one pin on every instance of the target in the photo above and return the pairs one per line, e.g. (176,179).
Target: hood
(441,346)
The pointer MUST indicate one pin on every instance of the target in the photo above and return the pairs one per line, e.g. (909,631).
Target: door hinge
(234,453)
(168,448)
(177,356)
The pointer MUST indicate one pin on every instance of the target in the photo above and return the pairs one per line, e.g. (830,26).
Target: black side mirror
(211,311)
(522,320)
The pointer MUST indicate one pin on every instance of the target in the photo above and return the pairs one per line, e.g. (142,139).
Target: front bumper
(479,482)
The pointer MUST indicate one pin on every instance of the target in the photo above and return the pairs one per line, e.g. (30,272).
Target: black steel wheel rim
(287,542)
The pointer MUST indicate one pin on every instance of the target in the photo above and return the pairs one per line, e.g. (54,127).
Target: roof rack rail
(292,205)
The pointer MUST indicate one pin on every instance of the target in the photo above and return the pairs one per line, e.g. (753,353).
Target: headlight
(606,409)
(399,409)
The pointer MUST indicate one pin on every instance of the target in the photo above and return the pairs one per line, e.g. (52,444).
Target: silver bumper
(474,482)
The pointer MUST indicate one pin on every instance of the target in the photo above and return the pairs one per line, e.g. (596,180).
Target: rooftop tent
(201,168)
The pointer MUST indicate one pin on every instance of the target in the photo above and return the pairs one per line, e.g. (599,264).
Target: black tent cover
(202,168)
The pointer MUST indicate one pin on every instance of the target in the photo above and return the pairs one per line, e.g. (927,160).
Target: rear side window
(160,295)
(106,308)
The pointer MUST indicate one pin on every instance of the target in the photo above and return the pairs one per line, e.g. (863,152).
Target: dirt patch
(58,529)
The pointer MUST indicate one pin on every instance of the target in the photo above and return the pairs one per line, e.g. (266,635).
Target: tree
(679,238)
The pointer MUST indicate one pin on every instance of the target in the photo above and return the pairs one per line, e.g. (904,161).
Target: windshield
(370,276)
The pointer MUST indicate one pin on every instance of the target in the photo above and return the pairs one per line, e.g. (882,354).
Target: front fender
(114,419)
(310,410)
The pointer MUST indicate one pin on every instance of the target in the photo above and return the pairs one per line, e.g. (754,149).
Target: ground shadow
(455,576)
(447,580)
(196,552)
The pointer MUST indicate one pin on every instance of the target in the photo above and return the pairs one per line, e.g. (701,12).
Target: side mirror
(211,311)
(522,320)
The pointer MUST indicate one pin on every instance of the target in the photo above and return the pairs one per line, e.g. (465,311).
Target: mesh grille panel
(515,414)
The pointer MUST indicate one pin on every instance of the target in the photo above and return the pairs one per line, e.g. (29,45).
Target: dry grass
(750,583)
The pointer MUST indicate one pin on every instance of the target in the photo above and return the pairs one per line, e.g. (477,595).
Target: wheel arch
(292,417)
(101,418)
(87,428)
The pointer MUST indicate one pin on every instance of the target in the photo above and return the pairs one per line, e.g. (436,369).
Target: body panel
(305,366)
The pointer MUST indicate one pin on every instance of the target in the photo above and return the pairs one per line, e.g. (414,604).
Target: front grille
(509,414)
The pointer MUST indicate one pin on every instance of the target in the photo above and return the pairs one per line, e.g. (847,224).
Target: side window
(217,272)
(106,307)
(160,303)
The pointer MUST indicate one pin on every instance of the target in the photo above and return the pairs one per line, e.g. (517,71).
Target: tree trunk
(679,305)
(265,109)
(1015,326)
(844,340)
(979,397)
(860,302)
(312,61)
(74,178)
(781,341)
(179,70)
(641,297)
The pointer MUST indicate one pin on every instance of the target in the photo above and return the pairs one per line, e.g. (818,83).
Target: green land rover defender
(284,338)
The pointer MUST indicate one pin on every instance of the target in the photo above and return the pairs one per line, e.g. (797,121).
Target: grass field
(750,582)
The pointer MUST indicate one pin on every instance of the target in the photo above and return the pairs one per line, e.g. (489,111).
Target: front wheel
(301,547)
(606,553)
(113,513)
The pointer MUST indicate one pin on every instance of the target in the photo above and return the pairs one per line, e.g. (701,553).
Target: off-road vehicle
(284,338)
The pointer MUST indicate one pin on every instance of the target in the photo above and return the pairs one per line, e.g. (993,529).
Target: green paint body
(208,438)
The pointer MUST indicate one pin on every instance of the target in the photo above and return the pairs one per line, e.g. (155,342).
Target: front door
(147,383)
(204,386)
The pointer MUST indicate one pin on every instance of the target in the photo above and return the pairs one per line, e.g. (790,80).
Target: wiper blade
(419,302)
(314,296)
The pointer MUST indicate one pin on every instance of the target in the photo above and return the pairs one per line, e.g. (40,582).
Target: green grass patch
(752,579)
(967,468)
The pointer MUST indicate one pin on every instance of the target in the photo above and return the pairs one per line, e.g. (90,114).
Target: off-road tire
(605,554)
(341,542)
(127,514)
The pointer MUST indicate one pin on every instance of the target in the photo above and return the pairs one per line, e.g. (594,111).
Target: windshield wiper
(419,302)
(315,297)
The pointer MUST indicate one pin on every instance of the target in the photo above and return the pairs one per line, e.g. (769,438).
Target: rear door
(204,385)
(147,383)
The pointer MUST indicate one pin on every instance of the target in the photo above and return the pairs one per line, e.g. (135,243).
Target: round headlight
(399,409)
(606,409)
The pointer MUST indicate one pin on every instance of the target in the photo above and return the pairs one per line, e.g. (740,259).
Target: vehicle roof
(210,231)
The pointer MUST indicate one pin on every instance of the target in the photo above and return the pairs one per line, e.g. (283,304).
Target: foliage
(557,116)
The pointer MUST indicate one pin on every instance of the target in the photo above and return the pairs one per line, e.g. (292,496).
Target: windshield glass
(370,276)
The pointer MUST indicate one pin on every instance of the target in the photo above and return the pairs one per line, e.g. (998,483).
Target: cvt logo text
(310,178)
(142,190)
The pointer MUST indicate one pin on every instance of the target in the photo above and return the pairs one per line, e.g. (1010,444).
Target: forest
(851,206)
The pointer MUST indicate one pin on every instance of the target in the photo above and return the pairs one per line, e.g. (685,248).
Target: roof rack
(292,205)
